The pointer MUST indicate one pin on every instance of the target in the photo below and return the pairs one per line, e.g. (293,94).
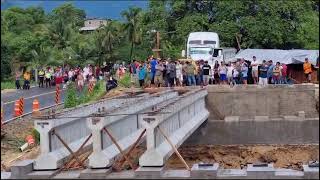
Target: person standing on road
(142,74)
(216,72)
(80,80)
(206,68)
(41,77)
(27,77)
(307,68)
(190,71)
(158,78)
(18,75)
(229,73)
(254,65)
(263,74)
(223,73)
(276,73)
(284,73)
(244,73)
(47,75)
(269,73)
(179,75)
(172,73)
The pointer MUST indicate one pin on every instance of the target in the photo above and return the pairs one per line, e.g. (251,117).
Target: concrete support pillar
(151,157)
(97,159)
(45,160)
(262,172)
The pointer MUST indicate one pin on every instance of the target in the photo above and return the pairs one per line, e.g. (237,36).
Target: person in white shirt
(179,75)
(223,73)
(254,65)
(86,72)
(236,79)
(230,68)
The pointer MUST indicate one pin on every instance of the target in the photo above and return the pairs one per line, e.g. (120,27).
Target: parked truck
(206,46)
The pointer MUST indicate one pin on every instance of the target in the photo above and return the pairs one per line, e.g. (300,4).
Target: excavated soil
(15,134)
(235,156)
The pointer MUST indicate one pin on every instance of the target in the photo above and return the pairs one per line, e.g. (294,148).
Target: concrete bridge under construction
(165,120)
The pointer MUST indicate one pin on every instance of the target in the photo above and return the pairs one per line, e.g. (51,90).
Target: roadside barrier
(91,86)
(21,106)
(35,107)
(17,108)
(57,99)
(30,140)
(2,117)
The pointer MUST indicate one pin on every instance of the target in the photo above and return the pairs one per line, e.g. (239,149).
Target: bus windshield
(200,50)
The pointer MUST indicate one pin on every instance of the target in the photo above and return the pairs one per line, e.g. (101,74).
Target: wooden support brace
(74,155)
(134,146)
(119,148)
(66,145)
(175,149)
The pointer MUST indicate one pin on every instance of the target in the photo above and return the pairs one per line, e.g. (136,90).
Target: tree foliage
(32,38)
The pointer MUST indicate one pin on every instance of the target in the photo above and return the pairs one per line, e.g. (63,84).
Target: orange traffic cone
(35,107)
(17,108)
(30,140)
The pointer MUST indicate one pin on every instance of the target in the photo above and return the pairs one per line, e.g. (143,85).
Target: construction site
(215,132)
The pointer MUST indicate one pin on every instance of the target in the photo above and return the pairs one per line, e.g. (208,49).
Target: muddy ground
(235,156)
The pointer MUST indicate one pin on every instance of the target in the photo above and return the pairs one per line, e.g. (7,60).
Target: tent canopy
(296,56)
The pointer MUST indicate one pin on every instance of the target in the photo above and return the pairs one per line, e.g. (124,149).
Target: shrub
(125,81)
(36,135)
(71,96)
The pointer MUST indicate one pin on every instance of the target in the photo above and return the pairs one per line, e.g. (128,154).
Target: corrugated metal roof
(295,56)
(89,28)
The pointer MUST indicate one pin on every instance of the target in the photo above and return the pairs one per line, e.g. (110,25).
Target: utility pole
(157,45)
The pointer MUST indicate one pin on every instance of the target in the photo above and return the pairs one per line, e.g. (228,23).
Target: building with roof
(93,24)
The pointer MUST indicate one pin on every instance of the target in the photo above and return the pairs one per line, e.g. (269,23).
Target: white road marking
(33,96)
(5,122)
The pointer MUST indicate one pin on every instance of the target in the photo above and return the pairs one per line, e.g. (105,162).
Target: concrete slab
(261,118)
(231,174)
(68,175)
(301,115)
(121,175)
(5,175)
(40,174)
(204,171)
(282,173)
(21,168)
(94,173)
(149,172)
(260,172)
(231,118)
(176,174)
(310,172)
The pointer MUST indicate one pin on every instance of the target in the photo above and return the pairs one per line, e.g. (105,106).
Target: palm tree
(105,39)
(41,56)
(132,17)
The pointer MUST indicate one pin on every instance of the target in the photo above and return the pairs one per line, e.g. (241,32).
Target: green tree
(132,26)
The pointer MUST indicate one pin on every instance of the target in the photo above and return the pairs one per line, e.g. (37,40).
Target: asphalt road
(45,96)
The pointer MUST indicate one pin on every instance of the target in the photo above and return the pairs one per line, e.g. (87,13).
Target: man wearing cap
(254,65)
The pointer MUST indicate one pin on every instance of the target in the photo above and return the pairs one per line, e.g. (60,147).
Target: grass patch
(11,84)
(73,100)
(8,85)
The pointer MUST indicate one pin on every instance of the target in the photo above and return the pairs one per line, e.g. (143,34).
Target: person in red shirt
(284,74)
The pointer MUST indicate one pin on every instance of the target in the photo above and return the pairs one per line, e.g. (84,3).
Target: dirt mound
(234,156)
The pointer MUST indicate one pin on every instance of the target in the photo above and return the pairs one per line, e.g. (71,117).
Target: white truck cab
(204,45)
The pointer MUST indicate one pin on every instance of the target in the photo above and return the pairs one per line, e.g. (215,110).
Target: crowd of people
(50,76)
(156,72)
